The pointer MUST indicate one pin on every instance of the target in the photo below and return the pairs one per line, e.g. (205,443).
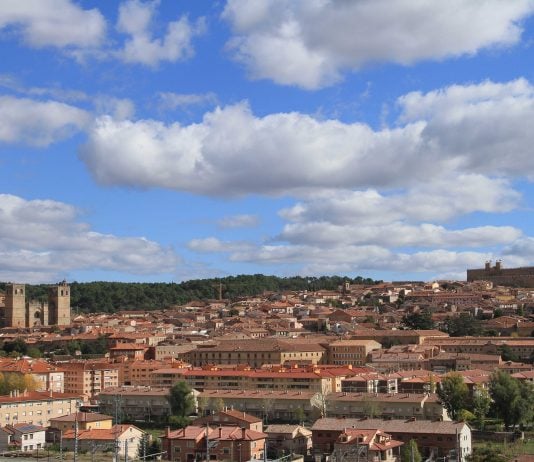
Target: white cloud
(43,238)
(171,101)
(310,43)
(57,23)
(213,244)
(38,123)
(439,200)
(135,20)
(397,235)
(239,221)
(231,151)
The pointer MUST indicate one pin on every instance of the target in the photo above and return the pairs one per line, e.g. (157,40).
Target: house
(86,421)
(288,439)
(224,443)
(127,438)
(230,417)
(23,436)
(434,438)
(365,444)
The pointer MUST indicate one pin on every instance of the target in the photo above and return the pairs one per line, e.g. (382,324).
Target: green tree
(485,454)
(507,354)
(513,400)
(463,325)
(181,400)
(453,393)
(419,321)
(300,415)
(410,452)
(481,405)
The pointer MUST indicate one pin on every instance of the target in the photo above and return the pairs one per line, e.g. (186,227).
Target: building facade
(32,313)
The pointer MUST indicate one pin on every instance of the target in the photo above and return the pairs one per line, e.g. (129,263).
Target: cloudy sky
(171,140)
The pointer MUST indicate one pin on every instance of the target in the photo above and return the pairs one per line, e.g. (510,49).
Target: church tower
(15,305)
(59,305)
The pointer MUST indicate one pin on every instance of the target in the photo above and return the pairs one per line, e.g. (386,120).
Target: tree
(513,401)
(217,404)
(481,405)
(202,405)
(453,393)
(181,400)
(300,415)
(419,321)
(507,354)
(462,325)
(485,454)
(410,452)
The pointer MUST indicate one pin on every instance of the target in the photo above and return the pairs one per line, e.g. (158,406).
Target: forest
(90,297)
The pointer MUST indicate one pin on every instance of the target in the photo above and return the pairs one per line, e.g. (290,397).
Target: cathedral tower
(15,305)
(59,305)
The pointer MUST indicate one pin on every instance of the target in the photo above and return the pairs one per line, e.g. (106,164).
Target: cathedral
(20,313)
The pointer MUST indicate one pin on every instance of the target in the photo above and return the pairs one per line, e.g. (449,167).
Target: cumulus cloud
(439,200)
(310,43)
(232,151)
(213,244)
(38,123)
(44,238)
(397,235)
(57,23)
(238,221)
(135,19)
(171,101)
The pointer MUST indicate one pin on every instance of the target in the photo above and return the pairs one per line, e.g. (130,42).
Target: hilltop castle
(513,277)
(20,313)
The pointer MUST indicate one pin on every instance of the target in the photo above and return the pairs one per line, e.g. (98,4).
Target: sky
(169,140)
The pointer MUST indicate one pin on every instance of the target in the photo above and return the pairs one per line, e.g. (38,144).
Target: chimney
(220,432)
(167,432)
(243,433)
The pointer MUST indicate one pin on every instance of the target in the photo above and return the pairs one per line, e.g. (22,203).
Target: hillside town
(364,372)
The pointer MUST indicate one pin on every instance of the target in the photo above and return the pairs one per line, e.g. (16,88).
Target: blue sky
(172,140)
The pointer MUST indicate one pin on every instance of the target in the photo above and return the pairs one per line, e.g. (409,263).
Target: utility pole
(76,434)
(126,450)
(207,441)
(60,445)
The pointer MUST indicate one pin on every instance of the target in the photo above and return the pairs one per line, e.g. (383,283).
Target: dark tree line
(113,296)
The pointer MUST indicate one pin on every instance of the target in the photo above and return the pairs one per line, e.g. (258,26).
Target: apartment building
(421,406)
(139,372)
(257,352)
(36,407)
(88,379)
(282,406)
(143,404)
(523,348)
(353,352)
(312,378)
(47,377)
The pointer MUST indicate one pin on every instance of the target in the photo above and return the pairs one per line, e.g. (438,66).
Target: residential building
(88,379)
(142,404)
(354,352)
(36,407)
(257,352)
(230,443)
(86,421)
(434,439)
(127,438)
(288,439)
(22,436)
